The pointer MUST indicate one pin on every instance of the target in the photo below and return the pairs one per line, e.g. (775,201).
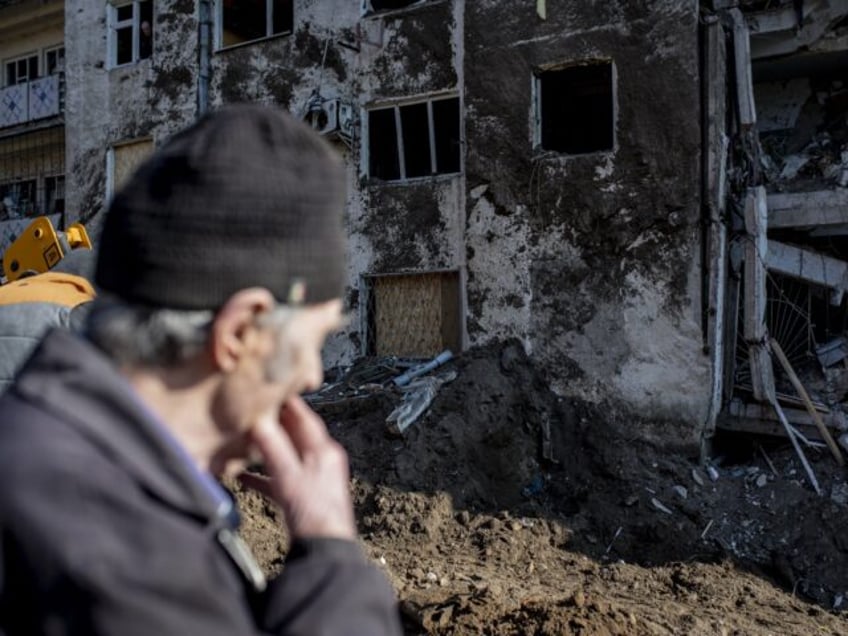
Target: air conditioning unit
(331,116)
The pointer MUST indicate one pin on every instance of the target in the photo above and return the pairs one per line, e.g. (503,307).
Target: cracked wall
(105,106)
(591,259)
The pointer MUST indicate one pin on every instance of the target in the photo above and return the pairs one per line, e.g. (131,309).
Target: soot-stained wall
(593,260)
(152,98)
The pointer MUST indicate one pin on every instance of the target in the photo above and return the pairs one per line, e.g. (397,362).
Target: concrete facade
(591,260)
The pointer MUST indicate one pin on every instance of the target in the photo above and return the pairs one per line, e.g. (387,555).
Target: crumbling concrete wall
(393,227)
(105,106)
(592,259)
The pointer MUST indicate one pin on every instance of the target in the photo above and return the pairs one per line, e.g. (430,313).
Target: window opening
(54,60)
(374,6)
(414,140)
(32,168)
(18,198)
(21,70)
(54,194)
(576,108)
(131,32)
(246,20)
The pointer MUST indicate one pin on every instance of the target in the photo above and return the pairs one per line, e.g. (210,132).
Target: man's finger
(304,427)
(275,446)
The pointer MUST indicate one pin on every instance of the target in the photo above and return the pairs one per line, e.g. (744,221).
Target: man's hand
(308,473)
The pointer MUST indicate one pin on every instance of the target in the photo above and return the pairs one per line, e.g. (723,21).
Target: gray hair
(142,336)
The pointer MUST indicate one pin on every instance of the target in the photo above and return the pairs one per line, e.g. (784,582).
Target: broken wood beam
(802,393)
(809,266)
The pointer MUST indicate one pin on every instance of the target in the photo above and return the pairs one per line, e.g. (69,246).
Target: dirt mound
(507,510)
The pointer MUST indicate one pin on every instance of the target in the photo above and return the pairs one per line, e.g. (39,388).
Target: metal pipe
(439,360)
(204,36)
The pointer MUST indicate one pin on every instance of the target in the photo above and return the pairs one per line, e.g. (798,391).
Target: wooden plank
(808,209)
(802,392)
(742,63)
(760,419)
(417,314)
(754,327)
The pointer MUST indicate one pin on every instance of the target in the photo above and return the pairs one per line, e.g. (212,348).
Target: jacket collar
(81,386)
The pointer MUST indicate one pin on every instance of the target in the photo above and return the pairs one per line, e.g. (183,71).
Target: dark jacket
(106,529)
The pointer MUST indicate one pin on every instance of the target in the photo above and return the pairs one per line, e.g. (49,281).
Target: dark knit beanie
(248,196)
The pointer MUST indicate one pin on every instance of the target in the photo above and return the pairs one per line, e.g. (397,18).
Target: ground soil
(507,510)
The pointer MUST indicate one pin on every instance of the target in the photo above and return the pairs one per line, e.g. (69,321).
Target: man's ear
(235,324)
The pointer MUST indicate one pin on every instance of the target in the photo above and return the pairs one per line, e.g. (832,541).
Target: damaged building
(644,194)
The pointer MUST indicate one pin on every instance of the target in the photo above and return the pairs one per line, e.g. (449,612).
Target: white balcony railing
(31,100)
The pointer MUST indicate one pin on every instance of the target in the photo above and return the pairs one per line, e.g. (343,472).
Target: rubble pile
(505,509)
(805,134)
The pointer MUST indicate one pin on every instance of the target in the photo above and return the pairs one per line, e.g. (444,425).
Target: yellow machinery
(40,247)
(27,262)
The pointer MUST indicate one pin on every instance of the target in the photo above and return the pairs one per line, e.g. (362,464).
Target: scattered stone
(463,517)
(712,472)
(839,494)
(632,500)
(659,506)
(696,477)
(579,599)
(762,480)
(432,577)
(680,491)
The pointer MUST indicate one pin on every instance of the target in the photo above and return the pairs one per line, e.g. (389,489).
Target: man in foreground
(220,275)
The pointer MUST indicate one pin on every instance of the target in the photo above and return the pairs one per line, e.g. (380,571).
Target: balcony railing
(32,100)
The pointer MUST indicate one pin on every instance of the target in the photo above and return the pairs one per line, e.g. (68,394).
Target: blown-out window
(575,108)
(242,21)
(414,140)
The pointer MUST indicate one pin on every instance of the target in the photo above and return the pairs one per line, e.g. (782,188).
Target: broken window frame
(538,123)
(14,63)
(396,106)
(269,26)
(134,25)
(366,8)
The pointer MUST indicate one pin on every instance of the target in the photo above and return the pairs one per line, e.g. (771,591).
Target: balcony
(33,100)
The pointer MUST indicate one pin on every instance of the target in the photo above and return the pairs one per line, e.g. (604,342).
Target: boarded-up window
(415,315)
(126,158)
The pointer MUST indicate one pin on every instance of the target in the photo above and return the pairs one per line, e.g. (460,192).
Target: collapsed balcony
(786,350)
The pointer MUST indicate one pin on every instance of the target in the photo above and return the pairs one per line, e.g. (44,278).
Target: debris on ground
(481,534)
